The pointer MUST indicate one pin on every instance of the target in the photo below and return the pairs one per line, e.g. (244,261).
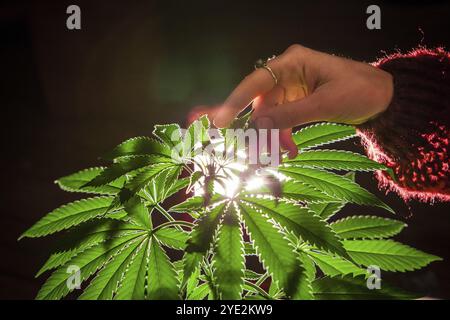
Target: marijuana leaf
(369,227)
(229,260)
(335,159)
(68,216)
(388,255)
(322,133)
(118,242)
(354,289)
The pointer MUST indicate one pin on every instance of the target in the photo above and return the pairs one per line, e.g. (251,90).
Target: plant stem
(173,223)
(259,282)
(262,279)
(260,290)
(186,167)
(167,215)
(164,212)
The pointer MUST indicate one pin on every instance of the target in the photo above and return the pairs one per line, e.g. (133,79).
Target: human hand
(312,86)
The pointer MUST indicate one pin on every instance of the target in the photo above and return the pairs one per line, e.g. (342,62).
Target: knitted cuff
(412,135)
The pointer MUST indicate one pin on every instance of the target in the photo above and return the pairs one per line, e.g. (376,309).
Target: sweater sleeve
(412,135)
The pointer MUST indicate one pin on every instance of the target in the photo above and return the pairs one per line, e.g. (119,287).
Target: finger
(257,83)
(199,111)
(295,113)
(271,99)
(257,103)
(287,143)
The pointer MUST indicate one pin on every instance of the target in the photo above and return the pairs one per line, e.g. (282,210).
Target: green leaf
(76,182)
(306,292)
(229,259)
(169,134)
(250,289)
(195,204)
(104,285)
(89,261)
(308,264)
(275,253)
(205,227)
(304,289)
(141,180)
(138,212)
(158,188)
(327,209)
(274,290)
(201,238)
(137,147)
(116,247)
(369,227)
(336,160)
(68,216)
(355,289)
(155,193)
(126,166)
(132,285)
(322,133)
(161,276)
(388,255)
(197,133)
(146,175)
(249,249)
(252,275)
(334,265)
(256,297)
(177,186)
(193,281)
(297,191)
(200,292)
(301,222)
(167,180)
(193,179)
(334,185)
(105,230)
(172,238)
(191,261)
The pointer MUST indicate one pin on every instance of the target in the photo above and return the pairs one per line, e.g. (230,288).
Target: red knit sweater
(412,136)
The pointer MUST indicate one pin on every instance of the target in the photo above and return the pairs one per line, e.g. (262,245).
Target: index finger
(257,83)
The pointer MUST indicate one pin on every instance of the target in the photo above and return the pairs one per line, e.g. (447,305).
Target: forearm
(412,135)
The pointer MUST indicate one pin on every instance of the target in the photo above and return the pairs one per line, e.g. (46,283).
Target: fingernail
(264,123)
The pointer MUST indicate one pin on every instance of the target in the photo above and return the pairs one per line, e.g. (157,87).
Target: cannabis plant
(128,243)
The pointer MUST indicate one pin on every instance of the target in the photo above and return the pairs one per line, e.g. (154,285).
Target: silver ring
(262,64)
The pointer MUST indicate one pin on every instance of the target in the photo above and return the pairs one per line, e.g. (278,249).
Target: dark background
(66,97)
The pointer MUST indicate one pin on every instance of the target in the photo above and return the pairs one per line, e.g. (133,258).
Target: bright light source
(228,182)
(254,183)
(229,187)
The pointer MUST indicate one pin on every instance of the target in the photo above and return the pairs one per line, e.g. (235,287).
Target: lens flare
(254,183)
